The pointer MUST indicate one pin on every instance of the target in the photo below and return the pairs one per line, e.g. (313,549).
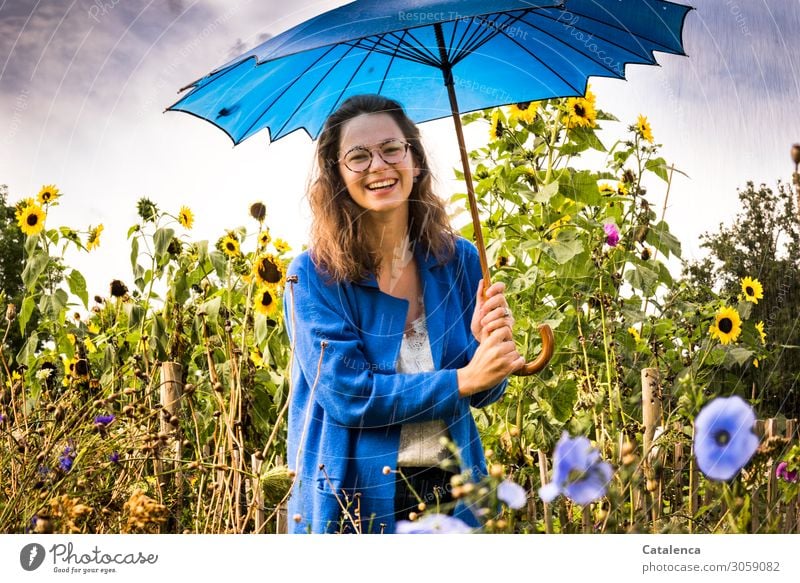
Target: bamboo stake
(651,418)
(170,392)
(258,493)
(548,513)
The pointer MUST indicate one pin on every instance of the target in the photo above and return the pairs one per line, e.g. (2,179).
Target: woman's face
(381,187)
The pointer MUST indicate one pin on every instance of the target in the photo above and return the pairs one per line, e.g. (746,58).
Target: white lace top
(419,442)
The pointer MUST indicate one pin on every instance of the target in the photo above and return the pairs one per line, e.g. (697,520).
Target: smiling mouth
(382,184)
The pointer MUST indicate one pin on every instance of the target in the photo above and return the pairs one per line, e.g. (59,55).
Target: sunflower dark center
(82,367)
(230,246)
(725,325)
(750,291)
(268,271)
(266,299)
(32,220)
(579,109)
(46,196)
(722,437)
(524,104)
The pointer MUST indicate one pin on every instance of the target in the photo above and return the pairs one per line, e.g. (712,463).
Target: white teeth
(382,184)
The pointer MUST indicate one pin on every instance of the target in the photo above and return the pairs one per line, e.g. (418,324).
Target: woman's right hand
(495,359)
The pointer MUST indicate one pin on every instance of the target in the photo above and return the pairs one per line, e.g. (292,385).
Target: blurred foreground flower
(724,440)
(578,472)
(512,494)
(433,524)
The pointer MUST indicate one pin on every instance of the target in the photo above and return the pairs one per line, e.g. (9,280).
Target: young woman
(392,339)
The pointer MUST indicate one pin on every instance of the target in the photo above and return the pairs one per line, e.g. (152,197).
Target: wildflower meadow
(159,404)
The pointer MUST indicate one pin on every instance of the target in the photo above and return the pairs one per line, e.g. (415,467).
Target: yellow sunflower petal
(186,217)
(30,219)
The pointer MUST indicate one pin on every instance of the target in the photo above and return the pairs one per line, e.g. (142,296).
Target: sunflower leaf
(739,355)
(34,267)
(28,304)
(660,238)
(27,355)
(658,166)
(77,285)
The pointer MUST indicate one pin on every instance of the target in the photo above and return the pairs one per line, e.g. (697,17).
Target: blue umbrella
(438,58)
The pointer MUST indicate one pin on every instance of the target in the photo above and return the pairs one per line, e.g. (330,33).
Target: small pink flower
(782,472)
(612,234)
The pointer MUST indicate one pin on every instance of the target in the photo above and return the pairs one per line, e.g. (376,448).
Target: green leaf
(54,305)
(25,312)
(563,250)
(547,192)
(740,355)
(642,278)
(261,329)
(27,355)
(161,239)
(562,399)
(660,238)
(135,256)
(34,267)
(659,167)
(219,262)
(77,285)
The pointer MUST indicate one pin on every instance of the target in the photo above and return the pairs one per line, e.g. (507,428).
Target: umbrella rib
(476,41)
(286,89)
(563,42)
(553,71)
(620,29)
(397,49)
(389,66)
(328,72)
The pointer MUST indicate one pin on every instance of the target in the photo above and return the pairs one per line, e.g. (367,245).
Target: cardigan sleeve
(474,275)
(349,390)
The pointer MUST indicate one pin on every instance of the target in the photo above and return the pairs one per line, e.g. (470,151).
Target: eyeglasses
(359,158)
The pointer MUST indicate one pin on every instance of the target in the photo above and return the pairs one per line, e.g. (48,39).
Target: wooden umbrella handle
(545,355)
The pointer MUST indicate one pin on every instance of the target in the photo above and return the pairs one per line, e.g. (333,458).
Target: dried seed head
(258,211)
(796,153)
(627,448)
(11,312)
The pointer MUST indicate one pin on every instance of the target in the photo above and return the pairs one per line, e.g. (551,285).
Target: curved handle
(545,355)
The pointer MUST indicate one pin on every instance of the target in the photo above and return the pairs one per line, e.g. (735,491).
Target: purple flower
(612,234)
(103,420)
(782,472)
(114,457)
(66,458)
(578,472)
(512,494)
(433,524)
(723,437)
(2,418)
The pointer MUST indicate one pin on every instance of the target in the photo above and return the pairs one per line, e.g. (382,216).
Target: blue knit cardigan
(348,401)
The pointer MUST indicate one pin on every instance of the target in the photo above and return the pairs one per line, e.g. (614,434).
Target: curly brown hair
(339,244)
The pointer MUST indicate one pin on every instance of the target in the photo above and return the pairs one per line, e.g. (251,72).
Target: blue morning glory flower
(433,524)
(723,437)
(578,472)
(512,494)
(114,457)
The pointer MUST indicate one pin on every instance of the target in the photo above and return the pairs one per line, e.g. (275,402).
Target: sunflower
(30,218)
(93,240)
(643,128)
(606,189)
(186,217)
(635,333)
(264,239)
(269,269)
(525,111)
(497,126)
(622,188)
(580,113)
(727,325)
(282,246)
(266,300)
(230,245)
(48,194)
(753,291)
(761,333)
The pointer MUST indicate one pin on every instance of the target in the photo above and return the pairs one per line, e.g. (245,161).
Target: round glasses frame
(378,148)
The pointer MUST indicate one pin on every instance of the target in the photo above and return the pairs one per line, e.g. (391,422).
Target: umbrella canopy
(498,52)
(438,58)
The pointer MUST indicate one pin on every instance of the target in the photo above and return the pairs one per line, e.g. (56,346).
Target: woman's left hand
(491,313)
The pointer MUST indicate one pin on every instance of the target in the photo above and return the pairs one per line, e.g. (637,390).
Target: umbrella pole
(545,331)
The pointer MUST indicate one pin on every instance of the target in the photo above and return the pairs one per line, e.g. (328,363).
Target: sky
(84,85)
